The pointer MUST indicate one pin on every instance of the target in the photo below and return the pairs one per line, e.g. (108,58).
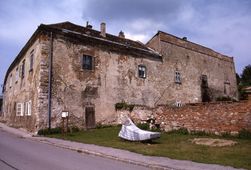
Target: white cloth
(131,132)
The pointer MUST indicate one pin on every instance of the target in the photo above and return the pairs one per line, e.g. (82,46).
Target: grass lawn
(173,145)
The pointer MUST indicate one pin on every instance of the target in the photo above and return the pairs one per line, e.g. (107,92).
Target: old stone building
(67,67)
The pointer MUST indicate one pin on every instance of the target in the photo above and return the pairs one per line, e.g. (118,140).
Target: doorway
(90,117)
(205,97)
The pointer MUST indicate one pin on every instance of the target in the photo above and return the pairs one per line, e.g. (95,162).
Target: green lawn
(174,145)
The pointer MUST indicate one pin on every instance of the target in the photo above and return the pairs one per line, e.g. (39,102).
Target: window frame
(27,111)
(10,81)
(17,74)
(177,77)
(85,65)
(23,69)
(20,109)
(31,61)
(142,71)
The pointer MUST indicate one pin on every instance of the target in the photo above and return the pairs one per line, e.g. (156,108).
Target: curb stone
(85,151)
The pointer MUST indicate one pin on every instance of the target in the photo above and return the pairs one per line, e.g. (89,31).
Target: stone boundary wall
(217,118)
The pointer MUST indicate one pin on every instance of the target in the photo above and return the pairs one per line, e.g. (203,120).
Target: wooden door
(90,117)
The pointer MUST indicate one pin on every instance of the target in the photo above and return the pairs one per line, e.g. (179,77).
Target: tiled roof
(94,33)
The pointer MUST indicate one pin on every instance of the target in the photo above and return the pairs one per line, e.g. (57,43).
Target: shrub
(101,126)
(200,133)
(124,105)
(182,131)
(223,98)
(244,134)
(143,126)
(56,130)
(74,129)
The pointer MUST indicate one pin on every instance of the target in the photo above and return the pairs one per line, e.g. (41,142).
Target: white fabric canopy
(131,132)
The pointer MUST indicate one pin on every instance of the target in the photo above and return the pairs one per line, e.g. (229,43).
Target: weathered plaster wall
(114,79)
(23,90)
(192,62)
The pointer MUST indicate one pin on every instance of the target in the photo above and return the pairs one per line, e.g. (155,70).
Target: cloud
(223,25)
(19,19)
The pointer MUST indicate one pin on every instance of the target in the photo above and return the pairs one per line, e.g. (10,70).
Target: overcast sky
(223,25)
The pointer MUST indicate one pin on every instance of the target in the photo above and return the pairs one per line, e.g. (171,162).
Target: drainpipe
(50,81)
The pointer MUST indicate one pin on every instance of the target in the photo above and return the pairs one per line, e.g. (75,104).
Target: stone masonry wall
(192,63)
(217,118)
(20,89)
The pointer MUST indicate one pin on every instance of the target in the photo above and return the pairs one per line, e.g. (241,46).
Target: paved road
(17,153)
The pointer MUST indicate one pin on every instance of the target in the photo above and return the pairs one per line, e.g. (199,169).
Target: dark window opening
(142,71)
(87,62)
(23,69)
(31,61)
(205,94)
(177,77)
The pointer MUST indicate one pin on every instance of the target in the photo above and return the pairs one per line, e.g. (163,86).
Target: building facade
(66,67)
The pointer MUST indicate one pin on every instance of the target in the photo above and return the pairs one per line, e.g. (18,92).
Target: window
(10,83)
(27,108)
(142,71)
(23,69)
(87,62)
(31,60)
(17,74)
(177,77)
(20,109)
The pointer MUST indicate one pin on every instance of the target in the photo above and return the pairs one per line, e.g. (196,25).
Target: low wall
(217,118)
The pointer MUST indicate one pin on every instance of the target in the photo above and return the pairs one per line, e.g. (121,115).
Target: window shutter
(22,109)
(82,62)
(20,70)
(93,63)
(29,108)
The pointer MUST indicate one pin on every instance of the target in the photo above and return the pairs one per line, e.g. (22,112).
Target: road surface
(17,153)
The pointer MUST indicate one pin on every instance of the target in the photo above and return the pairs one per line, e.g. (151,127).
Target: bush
(182,131)
(200,133)
(224,98)
(143,126)
(125,106)
(244,134)
(74,129)
(101,126)
(56,130)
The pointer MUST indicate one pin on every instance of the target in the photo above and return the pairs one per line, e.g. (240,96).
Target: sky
(222,25)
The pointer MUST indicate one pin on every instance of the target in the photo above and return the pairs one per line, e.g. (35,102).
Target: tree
(238,79)
(246,76)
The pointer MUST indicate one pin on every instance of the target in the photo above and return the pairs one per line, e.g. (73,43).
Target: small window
(177,77)
(20,109)
(22,69)
(31,61)
(142,71)
(17,75)
(27,108)
(10,81)
(87,62)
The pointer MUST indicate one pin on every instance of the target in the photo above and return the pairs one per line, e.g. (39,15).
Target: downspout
(50,79)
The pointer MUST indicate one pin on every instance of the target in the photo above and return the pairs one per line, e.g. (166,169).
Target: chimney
(121,34)
(88,25)
(102,29)
(184,38)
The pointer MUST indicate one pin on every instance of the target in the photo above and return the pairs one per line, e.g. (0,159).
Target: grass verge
(173,145)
